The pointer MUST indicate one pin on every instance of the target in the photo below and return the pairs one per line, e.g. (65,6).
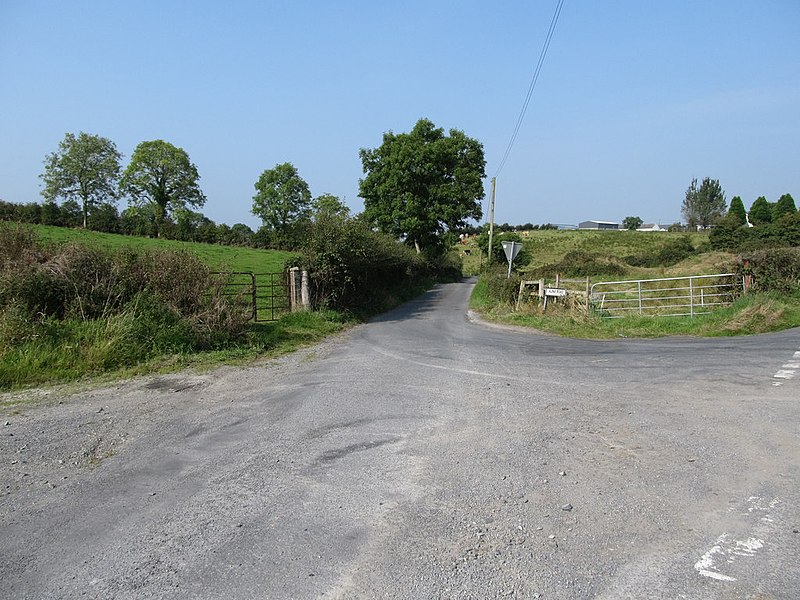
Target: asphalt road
(419,456)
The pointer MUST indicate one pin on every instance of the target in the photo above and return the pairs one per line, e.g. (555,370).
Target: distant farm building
(651,227)
(598,225)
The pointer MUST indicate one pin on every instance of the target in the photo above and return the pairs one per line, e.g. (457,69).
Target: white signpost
(511,249)
(555,292)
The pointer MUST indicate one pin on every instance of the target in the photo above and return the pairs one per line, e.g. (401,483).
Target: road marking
(787,371)
(726,550)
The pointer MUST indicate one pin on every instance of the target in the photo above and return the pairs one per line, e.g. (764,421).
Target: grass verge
(751,314)
(88,351)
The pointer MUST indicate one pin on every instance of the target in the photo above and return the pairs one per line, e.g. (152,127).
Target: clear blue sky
(635,98)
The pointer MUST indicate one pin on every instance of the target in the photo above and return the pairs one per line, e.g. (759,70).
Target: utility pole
(491,223)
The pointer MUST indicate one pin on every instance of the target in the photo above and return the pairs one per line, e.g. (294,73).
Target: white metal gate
(665,297)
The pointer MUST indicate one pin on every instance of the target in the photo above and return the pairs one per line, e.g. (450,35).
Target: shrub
(774,269)
(353,268)
(80,282)
(579,263)
(500,287)
(674,251)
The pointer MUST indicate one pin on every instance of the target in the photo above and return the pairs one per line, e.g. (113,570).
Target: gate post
(305,297)
(299,297)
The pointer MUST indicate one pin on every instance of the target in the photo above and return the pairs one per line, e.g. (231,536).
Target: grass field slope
(217,257)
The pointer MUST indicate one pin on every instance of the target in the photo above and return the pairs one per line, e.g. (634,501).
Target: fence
(266,295)
(667,297)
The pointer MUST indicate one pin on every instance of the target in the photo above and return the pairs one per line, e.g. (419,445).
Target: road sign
(511,249)
(555,292)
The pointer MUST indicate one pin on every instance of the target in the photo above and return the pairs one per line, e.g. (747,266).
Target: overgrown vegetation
(68,310)
(774,303)
(355,269)
(71,309)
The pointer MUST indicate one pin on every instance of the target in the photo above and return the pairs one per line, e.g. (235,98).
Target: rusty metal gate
(266,295)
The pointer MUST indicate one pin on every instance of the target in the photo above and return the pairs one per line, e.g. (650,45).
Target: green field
(550,246)
(221,258)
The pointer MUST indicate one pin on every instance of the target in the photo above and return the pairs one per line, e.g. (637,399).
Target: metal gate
(665,297)
(266,295)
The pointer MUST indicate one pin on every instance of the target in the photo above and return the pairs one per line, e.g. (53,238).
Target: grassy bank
(77,305)
(70,351)
(752,314)
(639,255)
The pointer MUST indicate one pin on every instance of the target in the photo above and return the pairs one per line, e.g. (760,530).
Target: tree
(161,175)
(85,168)
(784,206)
(703,205)
(420,184)
(737,211)
(632,223)
(328,204)
(282,198)
(761,211)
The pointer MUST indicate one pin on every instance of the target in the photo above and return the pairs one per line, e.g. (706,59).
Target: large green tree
(761,211)
(737,211)
(282,198)
(421,184)
(161,175)
(632,223)
(784,206)
(705,204)
(85,169)
(328,204)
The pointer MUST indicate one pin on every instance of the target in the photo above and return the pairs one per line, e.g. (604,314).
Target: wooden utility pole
(491,223)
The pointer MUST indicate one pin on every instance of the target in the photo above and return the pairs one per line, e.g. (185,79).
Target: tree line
(418,187)
(704,206)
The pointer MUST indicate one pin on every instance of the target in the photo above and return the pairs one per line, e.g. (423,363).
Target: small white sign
(555,292)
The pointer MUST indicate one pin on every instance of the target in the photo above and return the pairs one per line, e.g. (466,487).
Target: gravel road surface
(422,455)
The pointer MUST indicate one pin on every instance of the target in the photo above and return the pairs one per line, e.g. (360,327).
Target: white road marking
(726,550)
(787,371)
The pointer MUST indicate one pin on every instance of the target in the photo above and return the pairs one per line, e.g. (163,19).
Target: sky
(634,98)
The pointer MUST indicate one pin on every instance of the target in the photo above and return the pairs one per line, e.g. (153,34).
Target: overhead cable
(531,87)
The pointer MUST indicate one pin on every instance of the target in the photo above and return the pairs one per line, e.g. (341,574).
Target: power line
(534,79)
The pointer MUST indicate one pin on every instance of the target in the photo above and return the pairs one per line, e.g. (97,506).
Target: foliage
(580,263)
(355,269)
(784,206)
(674,251)
(162,176)
(498,254)
(773,269)
(750,314)
(85,168)
(761,211)
(731,237)
(112,308)
(703,205)
(328,204)
(421,184)
(499,287)
(632,223)
(737,210)
(282,199)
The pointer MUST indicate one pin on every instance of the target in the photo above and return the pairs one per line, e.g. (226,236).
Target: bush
(674,251)
(85,283)
(500,287)
(579,263)
(729,236)
(774,269)
(353,268)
